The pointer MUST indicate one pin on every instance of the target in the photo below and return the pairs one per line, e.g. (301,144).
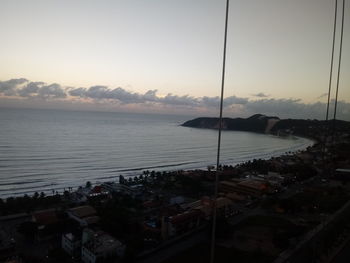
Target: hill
(267,124)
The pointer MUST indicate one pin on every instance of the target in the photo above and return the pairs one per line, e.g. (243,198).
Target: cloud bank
(260,95)
(25,90)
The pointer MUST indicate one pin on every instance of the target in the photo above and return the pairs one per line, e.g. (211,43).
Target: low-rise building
(342,174)
(249,187)
(235,197)
(181,223)
(224,207)
(7,245)
(113,187)
(98,246)
(84,215)
(71,244)
(176,200)
(46,221)
(98,190)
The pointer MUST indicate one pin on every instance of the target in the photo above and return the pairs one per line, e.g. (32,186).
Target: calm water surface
(42,150)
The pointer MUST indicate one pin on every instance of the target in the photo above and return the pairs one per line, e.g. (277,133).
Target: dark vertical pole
(212,250)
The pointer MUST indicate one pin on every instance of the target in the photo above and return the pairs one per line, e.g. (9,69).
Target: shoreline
(267,156)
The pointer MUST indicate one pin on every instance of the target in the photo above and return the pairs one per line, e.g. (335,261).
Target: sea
(51,150)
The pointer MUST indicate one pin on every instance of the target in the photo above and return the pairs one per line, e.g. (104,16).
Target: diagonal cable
(326,126)
(339,67)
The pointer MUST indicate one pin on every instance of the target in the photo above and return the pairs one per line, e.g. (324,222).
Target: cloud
(151,95)
(30,89)
(260,95)
(15,87)
(186,100)
(119,94)
(8,88)
(323,95)
(79,92)
(120,98)
(295,108)
(126,97)
(54,91)
(235,100)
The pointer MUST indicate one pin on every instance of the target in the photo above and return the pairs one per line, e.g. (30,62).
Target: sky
(166,56)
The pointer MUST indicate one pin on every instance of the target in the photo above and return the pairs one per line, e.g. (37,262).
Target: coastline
(131,173)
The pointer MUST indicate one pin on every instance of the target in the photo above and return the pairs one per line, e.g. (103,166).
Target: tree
(121,179)
(66,194)
(88,184)
(36,195)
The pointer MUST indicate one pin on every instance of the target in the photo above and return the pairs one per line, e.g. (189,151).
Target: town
(291,208)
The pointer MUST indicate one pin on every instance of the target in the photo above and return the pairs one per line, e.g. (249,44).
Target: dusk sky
(166,56)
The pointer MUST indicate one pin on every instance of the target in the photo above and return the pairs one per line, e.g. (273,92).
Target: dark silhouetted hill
(267,124)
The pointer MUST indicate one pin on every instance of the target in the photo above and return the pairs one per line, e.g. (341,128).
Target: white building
(71,244)
(98,245)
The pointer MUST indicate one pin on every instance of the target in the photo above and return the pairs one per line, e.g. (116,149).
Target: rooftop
(72,237)
(185,216)
(83,211)
(223,201)
(343,170)
(102,242)
(255,184)
(45,217)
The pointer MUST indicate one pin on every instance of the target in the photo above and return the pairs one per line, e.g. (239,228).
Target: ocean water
(45,150)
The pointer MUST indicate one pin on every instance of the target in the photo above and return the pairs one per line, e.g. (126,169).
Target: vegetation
(255,123)
(25,203)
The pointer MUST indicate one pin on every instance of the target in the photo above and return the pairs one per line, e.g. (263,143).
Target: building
(224,207)
(84,215)
(71,244)
(192,218)
(235,197)
(47,221)
(121,188)
(180,224)
(7,245)
(255,188)
(342,174)
(176,200)
(98,190)
(98,246)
